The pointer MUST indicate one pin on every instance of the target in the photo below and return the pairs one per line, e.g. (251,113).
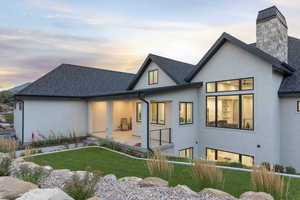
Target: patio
(124,137)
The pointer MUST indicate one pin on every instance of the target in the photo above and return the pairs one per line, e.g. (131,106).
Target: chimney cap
(270,13)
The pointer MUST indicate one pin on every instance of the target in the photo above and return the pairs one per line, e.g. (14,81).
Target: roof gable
(276,64)
(176,70)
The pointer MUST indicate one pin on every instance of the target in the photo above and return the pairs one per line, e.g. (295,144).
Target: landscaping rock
(256,196)
(45,194)
(214,194)
(185,189)
(110,177)
(131,179)
(11,188)
(153,182)
(57,178)
(95,198)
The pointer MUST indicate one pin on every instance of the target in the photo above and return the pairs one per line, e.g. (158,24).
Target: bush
(267,181)
(279,168)
(207,175)
(82,188)
(290,170)
(4,166)
(10,118)
(159,166)
(33,175)
(9,146)
(266,165)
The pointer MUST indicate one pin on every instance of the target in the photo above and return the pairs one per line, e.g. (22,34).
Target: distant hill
(19,88)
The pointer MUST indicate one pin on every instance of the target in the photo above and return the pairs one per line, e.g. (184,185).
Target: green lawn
(107,162)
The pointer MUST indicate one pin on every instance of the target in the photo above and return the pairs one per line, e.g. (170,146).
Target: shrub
(266,165)
(279,168)
(267,181)
(33,175)
(207,175)
(9,146)
(10,118)
(82,188)
(290,170)
(159,166)
(4,166)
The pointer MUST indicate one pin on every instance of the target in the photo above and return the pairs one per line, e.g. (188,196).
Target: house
(240,103)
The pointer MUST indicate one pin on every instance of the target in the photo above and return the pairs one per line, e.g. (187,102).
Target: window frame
(152,71)
(137,112)
(192,148)
(216,154)
(157,113)
(185,121)
(240,85)
(297,105)
(240,111)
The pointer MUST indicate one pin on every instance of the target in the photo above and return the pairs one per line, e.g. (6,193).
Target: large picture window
(186,153)
(230,85)
(158,113)
(153,77)
(185,113)
(224,156)
(230,111)
(139,112)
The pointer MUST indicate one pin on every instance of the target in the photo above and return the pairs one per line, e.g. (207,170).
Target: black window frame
(298,103)
(240,111)
(240,85)
(192,148)
(152,71)
(137,112)
(240,154)
(157,113)
(185,121)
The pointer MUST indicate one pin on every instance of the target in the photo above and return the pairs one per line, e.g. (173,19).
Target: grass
(236,182)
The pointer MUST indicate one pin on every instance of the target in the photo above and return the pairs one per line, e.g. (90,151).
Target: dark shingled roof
(77,81)
(176,70)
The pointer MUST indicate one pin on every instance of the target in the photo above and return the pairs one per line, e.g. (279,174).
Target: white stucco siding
(232,62)
(61,117)
(18,120)
(97,119)
(290,132)
(163,78)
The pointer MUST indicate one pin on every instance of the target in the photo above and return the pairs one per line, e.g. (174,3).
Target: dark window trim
(216,154)
(240,109)
(157,122)
(20,106)
(149,77)
(137,113)
(240,85)
(192,148)
(185,121)
(298,110)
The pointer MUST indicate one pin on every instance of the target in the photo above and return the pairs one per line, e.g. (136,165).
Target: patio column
(109,119)
(144,125)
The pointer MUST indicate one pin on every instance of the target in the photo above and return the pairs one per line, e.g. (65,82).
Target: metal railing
(159,137)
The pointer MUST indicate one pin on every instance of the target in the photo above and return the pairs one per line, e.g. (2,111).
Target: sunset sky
(38,35)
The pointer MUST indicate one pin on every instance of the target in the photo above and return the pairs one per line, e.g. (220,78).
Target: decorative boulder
(95,198)
(185,189)
(57,179)
(131,179)
(256,196)
(210,193)
(45,194)
(153,182)
(11,188)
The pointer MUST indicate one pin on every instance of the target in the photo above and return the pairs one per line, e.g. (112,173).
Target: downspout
(148,131)
(23,108)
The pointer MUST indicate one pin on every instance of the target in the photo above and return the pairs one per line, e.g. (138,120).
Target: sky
(38,35)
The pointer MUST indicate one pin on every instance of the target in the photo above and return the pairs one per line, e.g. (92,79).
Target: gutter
(148,131)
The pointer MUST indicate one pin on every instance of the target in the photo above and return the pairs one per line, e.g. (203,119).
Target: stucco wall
(231,62)
(290,132)
(97,117)
(55,115)
(163,78)
(18,120)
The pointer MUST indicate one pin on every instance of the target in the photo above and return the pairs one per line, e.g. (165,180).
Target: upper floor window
(153,77)
(186,113)
(230,85)
(138,112)
(158,113)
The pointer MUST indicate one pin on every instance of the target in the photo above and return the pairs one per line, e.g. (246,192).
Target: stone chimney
(272,33)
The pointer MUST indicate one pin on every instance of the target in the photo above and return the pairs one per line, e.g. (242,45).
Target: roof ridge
(170,59)
(94,68)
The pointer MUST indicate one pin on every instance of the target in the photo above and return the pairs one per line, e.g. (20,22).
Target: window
(230,111)
(186,153)
(224,156)
(153,77)
(230,85)
(186,113)
(158,113)
(298,106)
(139,112)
